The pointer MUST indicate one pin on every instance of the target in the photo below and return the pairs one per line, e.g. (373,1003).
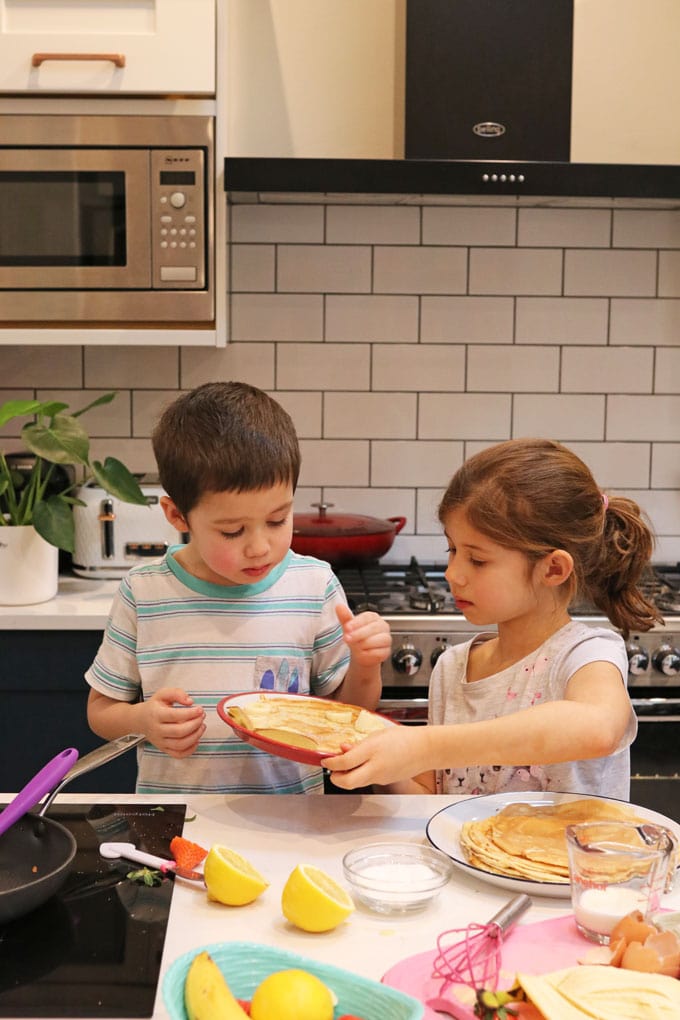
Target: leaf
(53,520)
(105,398)
(63,441)
(17,409)
(116,479)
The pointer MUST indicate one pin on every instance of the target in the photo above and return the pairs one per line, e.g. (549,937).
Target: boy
(232,610)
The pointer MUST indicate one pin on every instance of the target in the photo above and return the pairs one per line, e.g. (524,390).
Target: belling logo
(489,129)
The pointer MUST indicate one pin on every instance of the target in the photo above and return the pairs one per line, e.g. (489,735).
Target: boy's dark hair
(535,495)
(224,436)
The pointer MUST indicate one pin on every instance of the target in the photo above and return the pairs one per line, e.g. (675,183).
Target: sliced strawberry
(187,854)
(245,1005)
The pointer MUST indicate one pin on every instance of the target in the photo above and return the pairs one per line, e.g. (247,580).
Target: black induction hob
(95,948)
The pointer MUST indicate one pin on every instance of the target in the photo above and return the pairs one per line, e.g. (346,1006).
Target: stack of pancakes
(528,841)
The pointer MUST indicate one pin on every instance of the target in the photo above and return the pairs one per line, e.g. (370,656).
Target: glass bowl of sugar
(396,878)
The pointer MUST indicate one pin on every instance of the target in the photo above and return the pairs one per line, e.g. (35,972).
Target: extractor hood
(517,97)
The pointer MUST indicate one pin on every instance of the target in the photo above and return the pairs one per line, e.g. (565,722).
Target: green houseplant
(56,436)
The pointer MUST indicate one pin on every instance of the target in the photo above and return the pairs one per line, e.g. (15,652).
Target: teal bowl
(246,964)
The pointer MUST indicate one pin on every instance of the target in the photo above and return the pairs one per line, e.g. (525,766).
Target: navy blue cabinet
(43,700)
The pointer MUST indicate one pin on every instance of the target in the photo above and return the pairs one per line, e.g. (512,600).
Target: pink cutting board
(532,948)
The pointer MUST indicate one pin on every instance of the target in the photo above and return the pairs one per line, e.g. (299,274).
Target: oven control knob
(667,660)
(407,659)
(638,659)
(436,652)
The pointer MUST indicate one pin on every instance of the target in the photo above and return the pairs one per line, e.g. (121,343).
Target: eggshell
(642,958)
(609,956)
(667,945)
(632,928)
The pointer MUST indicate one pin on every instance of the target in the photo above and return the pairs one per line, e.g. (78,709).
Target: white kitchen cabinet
(315,78)
(111,47)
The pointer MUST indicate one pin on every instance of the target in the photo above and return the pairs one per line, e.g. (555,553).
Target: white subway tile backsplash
(666,466)
(645,321)
(513,368)
(332,461)
(289,224)
(565,418)
(582,228)
(253,267)
(607,369)
(372,317)
(387,224)
(277,317)
(26,366)
(376,502)
(331,269)
(323,367)
(561,320)
(616,465)
(515,271)
(474,320)
(417,463)
(469,226)
(460,416)
(419,270)
(646,228)
(116,367)
(404,333)
(667,371)
(650,419)
(305,409)
(610,273)
(669,274)
(251,363)
(418,367)
(377,415)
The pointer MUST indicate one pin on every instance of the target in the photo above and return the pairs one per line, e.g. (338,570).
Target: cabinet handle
(116,58)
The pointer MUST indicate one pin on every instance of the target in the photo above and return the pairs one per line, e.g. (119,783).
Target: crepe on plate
(306,722)
(528,841)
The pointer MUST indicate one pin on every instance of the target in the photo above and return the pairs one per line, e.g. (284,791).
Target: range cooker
(415,600)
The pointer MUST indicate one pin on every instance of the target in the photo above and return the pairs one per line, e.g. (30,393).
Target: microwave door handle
(106,518)
(116,58)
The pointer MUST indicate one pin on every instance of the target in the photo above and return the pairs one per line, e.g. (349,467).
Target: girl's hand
(368,636)
(395,753)
(173,723)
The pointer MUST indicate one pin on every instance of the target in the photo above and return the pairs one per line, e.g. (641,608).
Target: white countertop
(278,832)
(80,604)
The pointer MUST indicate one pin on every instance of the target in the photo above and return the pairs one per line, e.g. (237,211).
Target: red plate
(282,750)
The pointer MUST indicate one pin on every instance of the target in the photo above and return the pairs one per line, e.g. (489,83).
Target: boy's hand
(173,723)
(368,636)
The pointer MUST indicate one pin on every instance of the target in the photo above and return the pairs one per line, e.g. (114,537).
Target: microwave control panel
(178,205)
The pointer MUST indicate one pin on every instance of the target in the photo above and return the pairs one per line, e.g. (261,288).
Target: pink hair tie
(605,501)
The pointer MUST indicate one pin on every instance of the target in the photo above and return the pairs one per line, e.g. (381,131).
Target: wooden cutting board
(532,948)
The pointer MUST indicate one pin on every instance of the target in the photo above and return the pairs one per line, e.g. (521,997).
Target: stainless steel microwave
(106,219)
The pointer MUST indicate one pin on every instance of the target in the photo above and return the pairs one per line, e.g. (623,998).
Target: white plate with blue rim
(444,828)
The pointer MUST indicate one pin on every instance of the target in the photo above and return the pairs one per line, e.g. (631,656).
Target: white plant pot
(29,567)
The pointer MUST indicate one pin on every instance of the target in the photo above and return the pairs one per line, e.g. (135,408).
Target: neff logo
(489,129)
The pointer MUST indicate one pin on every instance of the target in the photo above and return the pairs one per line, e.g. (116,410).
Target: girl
(541,704)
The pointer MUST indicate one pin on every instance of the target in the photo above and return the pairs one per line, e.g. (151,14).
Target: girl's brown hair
(535,495)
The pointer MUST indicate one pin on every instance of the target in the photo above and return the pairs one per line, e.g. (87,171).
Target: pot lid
(335,525)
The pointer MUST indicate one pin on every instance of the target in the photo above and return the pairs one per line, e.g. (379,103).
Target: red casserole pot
(343,539)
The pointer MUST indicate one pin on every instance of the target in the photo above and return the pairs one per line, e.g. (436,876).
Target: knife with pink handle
(113,851)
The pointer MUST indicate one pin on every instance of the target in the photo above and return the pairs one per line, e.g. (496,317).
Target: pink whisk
(475,960)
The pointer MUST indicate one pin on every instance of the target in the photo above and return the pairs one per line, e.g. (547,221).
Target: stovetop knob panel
(408,659)
(638,659)
(666,660)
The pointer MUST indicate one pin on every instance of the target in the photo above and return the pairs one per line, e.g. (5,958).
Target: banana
(207,995)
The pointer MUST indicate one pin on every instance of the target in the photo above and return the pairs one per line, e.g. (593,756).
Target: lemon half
(314,901)
(230,878)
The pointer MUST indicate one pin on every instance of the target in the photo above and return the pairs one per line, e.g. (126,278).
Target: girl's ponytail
(626,548)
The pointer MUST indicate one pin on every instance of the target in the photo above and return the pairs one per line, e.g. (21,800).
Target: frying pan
(36,852)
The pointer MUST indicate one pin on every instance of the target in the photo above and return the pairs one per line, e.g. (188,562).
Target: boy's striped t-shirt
(169,629)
